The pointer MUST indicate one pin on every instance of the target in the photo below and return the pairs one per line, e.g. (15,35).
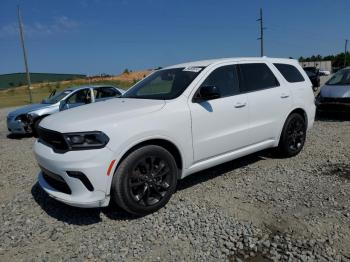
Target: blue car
(25,120)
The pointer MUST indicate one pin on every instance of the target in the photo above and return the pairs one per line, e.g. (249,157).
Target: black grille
(53,139)
(55,181)
(82,177)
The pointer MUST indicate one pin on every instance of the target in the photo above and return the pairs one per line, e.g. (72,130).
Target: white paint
(206,134)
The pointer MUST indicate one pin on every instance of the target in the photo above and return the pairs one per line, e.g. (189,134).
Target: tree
(126,71)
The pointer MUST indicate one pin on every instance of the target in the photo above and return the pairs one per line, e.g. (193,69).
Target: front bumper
(92,163)
(332,104)
(16,126)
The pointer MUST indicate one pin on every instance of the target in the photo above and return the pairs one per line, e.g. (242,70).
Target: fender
(134,141)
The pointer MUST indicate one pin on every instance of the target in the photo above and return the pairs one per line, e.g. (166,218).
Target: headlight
(86,140)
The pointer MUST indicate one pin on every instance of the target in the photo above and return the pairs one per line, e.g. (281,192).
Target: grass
(20,96)
(18,79)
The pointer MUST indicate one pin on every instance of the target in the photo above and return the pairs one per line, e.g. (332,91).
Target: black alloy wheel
(149,180)
(293,135)
(145,180)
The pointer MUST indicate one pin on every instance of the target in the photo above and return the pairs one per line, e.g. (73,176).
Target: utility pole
(346,46)
(24,53)
(262,28)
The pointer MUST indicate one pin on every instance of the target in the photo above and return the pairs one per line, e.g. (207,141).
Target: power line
(262,28)
(24,53)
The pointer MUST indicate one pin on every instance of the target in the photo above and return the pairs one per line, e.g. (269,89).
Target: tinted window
(79,97)
(256,77)
(290,73)
(104,92)
(224,78)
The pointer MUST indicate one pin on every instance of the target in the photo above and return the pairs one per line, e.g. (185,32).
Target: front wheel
(145,180)
(293,135)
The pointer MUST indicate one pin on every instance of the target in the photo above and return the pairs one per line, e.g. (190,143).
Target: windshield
(56,98)
(164,84)
(342,77)
(310,74)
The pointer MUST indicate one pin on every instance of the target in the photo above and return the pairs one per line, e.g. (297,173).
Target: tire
(145,180)
(293,136)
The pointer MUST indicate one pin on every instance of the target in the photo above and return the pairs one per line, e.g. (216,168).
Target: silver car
(26,119)
(335,94)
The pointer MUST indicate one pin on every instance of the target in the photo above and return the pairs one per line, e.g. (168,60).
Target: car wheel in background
(145,180)
(293,135)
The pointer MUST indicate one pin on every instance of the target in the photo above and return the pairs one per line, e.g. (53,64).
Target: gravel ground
(257,208)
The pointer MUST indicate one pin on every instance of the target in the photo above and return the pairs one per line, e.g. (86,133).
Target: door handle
(240,104)
(284,95)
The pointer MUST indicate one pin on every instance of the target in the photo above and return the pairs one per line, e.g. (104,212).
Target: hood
(336,91)
(28,108)
(97,115)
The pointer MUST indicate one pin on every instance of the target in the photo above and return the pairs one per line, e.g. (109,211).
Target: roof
(73,88)
(205,63)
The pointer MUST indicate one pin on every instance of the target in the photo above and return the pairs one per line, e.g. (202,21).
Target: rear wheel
(145,180)
(293,135)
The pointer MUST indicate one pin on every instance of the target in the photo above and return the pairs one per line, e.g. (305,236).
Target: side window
(256,77)
(290,73)
(225,79)
(78,97)
(103,92)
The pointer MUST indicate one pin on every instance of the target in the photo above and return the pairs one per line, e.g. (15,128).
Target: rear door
(219,126)
(268,97)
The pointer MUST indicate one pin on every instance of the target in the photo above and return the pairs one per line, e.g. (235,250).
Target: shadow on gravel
(216,171)
(75,215)
(332,116)
(340,170)
(18,136)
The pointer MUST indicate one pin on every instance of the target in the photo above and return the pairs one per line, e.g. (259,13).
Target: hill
(16,96)
(19,79)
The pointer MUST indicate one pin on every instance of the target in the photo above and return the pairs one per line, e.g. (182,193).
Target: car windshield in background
(58,97)
(309,73)
(164,84)
(311,69)
(340,78)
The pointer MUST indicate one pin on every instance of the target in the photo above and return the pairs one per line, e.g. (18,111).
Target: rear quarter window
(290,73)
(255,77)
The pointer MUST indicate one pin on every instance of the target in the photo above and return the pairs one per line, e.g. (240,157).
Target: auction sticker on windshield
(192,69)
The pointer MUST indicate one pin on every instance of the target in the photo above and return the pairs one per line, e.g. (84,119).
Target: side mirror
(63,105)
(207,93)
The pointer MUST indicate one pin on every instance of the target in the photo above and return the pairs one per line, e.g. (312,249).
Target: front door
(219,125)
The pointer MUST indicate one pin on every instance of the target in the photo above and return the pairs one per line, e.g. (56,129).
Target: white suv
(177,121)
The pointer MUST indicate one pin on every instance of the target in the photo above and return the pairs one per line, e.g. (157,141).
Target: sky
(107,36)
